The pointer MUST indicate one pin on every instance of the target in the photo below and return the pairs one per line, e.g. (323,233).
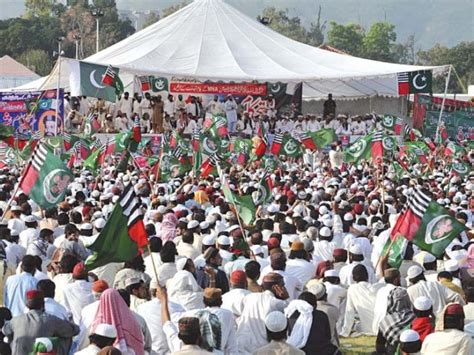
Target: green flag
(437,229)
(460,169)
(290,147)
(124,233)
(159,84)
(86,78)
(420,81)
(46,178)
(323,137)
(6,131)
(264,189)
(397,251)
(360,149)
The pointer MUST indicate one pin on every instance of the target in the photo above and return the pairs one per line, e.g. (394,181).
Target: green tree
(151,18)
(281,22)
(348,38)
(460,56)
(404,53)
(316,31)
(37,60)
(37,8)
(172,9)
(378,41)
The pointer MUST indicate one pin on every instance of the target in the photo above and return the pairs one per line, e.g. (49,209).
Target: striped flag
(144,83)
(124,234)
(196,139)
(276,144)
(377,147)
(137,132)
(403,84)
(307,141)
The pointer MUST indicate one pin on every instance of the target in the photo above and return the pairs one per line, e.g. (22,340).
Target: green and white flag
(437,229)
(46,178)
(360,149)
(290,147)
(397,251)
(323,137)
(460,169)
(86,79)
(159,84)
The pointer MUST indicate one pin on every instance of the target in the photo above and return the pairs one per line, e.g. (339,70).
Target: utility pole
(97,13)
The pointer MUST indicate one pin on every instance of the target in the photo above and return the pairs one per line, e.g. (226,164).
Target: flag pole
(387,252)
(148,244)
(442,103)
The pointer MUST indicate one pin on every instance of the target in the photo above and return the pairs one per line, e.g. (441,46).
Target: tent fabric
(211,40)
(13,73)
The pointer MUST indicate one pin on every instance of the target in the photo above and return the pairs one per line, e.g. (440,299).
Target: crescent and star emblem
(93,81)
(416,84)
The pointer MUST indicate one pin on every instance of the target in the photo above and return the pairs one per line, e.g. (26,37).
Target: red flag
(221,127)
(144,83)
(403,85)
(137,133)
(276,144)
(443,133)
(377,147)
(109,76)
(307,141)
(196,137)
(261,147)
(208,165)
(398,126)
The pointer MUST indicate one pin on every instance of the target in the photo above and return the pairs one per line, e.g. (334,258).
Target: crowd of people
(308,272)
(176,112)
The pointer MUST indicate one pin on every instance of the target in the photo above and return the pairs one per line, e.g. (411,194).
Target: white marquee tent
(211,40)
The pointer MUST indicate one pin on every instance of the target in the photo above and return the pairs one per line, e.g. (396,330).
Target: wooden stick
(388,251)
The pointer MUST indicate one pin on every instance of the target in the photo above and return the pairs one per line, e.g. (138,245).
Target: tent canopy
(211,40)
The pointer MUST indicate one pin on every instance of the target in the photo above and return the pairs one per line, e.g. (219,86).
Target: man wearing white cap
(324,247)
(16,222)
(104,335)
(223,244)
(276,325)
(356,257)
(30,232)
(439,294)
(185,247)
(410,342)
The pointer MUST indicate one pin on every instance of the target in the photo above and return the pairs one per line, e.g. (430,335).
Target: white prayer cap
(293,238)
(348,217)
(355,249)
(14,232)
(331,273)
(180,263)
(97,214)
(408,336)
(422,303)
(99,223)
(256,249)
(193,224)
(95,193)
(272,208)
(318,289)
(161,209)
(209,240)
(323,210)
(276,321)
(328,221)
(325,232)
(414,271)
(204,225)
(232,228)
(86,226)
(375,203)
(451,265)
(223,240)
(302,195)
(30,219)
(132,281)
(115,199)
(428,258)
(106,330)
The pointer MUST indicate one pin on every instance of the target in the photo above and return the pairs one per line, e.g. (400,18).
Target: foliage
(37,60)
(172,9)
(316,31)
(281,22)
(152,18)
(460,56)
(348,38)
(378,41)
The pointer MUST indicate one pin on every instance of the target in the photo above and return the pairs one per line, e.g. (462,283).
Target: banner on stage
(33,111)
(219,88)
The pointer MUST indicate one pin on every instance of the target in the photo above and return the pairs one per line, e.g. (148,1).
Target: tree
(151,18)
(37,8)
(378,41)
(348,38)
(281,22)
(37,60)
(316,31)
(404,53)
(172,9)
(460,56)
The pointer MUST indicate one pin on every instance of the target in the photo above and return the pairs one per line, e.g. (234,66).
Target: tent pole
(442,103)
(57,92)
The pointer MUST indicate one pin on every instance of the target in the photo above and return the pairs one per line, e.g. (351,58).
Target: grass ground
(357,346)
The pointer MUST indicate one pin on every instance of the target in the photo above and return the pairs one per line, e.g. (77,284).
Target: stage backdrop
(252,96)
(32,111)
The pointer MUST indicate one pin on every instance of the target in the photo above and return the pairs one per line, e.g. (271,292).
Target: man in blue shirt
(17,285)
